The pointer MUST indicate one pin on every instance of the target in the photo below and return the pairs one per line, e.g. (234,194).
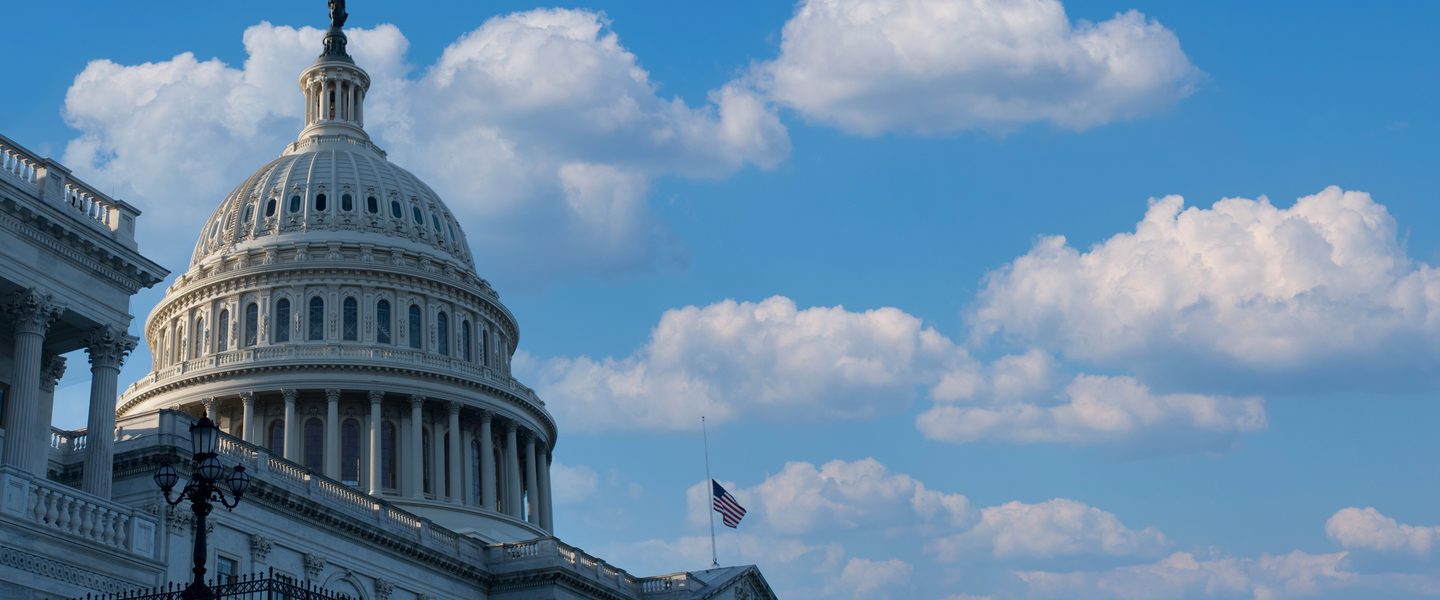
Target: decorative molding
(314,565)
(108,346)
(32,311)
(260,546)
(51,370)
(383,589)
(59,571)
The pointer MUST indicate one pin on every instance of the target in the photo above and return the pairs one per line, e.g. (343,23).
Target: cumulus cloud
(1182,575)
(573,484)
(774,359)
(731,358)
(539,128)
(1055,528)
(1368,529)
(1095,408)
(1315,294)
(864,578)
(931,66)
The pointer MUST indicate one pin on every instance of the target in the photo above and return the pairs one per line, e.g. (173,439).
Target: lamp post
(203,489)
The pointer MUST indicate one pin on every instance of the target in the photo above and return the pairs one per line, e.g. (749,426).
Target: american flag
(730,511)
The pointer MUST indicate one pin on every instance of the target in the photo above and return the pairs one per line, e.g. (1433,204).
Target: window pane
(465,339)
(319,201)
(347,202)
(387,455)
(372,204)
(252,323)
(382,322)
(352,319)
(317,319)
(415,338)
(442,324)
(425,460)
(222,333)
(277,437)
(295,203)
(314,444)
(350,452)
(282,320)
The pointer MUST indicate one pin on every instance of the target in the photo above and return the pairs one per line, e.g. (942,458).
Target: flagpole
(709,491)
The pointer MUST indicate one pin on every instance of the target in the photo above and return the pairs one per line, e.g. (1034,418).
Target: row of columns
(27,422)
(534,477)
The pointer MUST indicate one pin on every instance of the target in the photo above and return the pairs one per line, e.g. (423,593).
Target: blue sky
(833,232)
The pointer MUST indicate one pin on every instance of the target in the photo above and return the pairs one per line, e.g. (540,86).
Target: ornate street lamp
(203,488)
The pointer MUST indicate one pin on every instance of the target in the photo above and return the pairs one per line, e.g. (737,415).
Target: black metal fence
(259,586)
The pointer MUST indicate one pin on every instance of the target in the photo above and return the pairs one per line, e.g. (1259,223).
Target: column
(375,397)
(50,375)
(532,507)
(417,447)
(487,461)
(107,347)
(247,417)
(332,433)
(292,427)
(32,313)
(547,521)
(210,412)
(512,473)
(453,430)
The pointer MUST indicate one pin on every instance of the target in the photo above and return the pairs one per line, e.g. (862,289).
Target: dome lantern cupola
(334,87)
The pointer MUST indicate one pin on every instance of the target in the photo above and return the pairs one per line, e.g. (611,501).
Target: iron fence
(258,586)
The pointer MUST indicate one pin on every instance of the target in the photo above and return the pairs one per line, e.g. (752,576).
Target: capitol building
(332,323)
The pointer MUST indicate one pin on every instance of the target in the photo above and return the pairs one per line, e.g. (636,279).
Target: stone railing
(53,183)
(333,353)
(67,441)
(358,506)
(536,553)
(74,514)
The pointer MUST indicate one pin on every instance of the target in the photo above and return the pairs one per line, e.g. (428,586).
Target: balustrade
(76,514)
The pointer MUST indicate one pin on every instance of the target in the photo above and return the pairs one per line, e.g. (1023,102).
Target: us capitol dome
(332,314)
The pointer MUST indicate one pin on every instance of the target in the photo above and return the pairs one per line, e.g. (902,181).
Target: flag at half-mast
(730,511)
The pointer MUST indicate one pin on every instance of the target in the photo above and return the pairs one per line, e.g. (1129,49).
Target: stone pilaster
(532,497)
(375,397)
(453,430)
(417,447)
(247,417)
(487,461)
(292,427)
(512,471)
(332,433)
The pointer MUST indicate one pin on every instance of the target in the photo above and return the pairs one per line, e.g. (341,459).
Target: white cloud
(932,66)
(1182,575)
(863,578)
(539,128)
(573,484)
(732,358)
(1100,409)
(862,494)
(1368,529)
(772,359)
(796,569)
(1315,294)
(1056,528)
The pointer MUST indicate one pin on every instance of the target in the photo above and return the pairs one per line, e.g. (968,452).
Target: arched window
(442,324)
(270,208)
(485,346)
(248,214)
(277,437)
(295,203)
(197,341)
(252,323)
(317,318)
(350,452)
(314,444)
(465,340)
(320,202)
(282,320)
(347,202)
(435,220)
(222,332)
(415,212)
(177,349)
(415,337)
(382,322)
(352,319)
(372,204)
(387,455)
(447,464)
(425,452)
(395,208)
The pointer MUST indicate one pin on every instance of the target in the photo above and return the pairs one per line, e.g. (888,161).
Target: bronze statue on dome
(337,14)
